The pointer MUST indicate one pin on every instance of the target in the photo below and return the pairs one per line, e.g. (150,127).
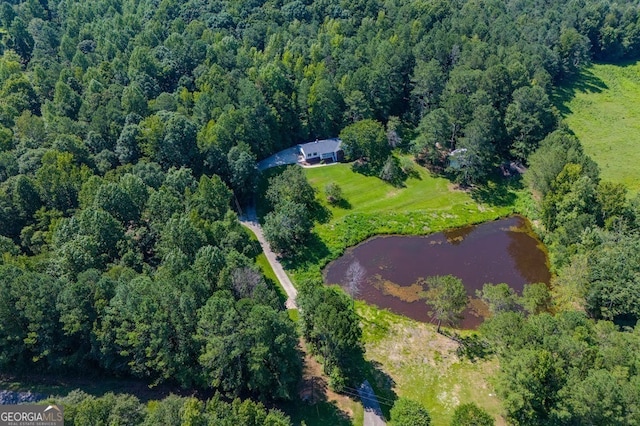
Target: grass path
(602,107)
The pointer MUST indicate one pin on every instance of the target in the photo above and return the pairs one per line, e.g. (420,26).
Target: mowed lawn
(369,194)
(424,205)
(603,109)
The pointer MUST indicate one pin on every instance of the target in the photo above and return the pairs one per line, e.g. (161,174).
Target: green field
(602,107)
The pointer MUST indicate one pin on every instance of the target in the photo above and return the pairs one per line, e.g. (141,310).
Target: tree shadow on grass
(472,347)
(585,82)
(320,413)
(360,369)
(344,204)
(319,213)
(311,253)
(383,386)
(412,174)
(499,192)
(397,178)
(280,293)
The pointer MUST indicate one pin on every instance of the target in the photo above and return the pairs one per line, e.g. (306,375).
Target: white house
(327,149)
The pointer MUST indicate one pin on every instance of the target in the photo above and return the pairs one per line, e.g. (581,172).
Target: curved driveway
(372,412)
(250,220)
(287,156)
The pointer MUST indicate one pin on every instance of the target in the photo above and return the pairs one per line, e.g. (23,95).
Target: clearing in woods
(602,108)
(424,366)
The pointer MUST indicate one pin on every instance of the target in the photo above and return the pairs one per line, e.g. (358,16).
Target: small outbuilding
(326,149)
(455,156)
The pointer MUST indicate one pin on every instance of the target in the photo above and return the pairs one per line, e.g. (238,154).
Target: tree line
(124,409)
(184,83)
(591,228)
(572,359)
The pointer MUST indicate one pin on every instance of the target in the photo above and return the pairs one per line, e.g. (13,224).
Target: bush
(471,415)
(391,172)
(337,381)
(333,192)
(406,412)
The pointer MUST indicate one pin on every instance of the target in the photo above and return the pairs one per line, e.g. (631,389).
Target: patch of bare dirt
(404,339)
(314,387)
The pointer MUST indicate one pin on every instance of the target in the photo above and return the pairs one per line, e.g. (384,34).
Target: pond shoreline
(496,251)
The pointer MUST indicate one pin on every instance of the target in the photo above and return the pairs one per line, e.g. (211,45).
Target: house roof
(323,146)
(457,151)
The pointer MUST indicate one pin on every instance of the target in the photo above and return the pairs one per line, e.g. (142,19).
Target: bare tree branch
(354,277)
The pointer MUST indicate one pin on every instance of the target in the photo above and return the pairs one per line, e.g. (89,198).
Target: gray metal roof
(321,147)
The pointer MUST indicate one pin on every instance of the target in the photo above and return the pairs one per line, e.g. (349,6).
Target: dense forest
(129,133)
(121,409)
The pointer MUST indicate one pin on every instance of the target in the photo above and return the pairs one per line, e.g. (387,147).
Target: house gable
(321,149)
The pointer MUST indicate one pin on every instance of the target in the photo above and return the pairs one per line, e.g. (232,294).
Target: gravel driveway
(287,156)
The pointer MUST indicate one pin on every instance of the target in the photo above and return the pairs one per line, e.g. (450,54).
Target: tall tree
(366,140)
(291,185)
(330,325)
(447,297)
(499,297)
(288,227)
(243,171)
(471,415)
(410,413)
(528,119)
(428,82)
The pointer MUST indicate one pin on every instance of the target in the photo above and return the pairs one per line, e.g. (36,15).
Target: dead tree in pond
(354,276)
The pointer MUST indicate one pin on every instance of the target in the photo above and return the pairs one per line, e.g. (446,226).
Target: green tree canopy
(528,119)
(366,140)
(330,325)
(410,413)
(471,415)
(447,298)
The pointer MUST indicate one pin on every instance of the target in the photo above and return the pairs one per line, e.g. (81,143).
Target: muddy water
(494,252)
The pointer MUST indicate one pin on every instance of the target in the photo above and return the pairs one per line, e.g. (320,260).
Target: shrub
(406,412)
(471,415)
(334,193)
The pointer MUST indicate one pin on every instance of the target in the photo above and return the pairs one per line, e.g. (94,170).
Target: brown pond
(502,251)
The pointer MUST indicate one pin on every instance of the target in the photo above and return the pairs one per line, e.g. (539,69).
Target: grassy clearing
(602,108)
(423,366)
